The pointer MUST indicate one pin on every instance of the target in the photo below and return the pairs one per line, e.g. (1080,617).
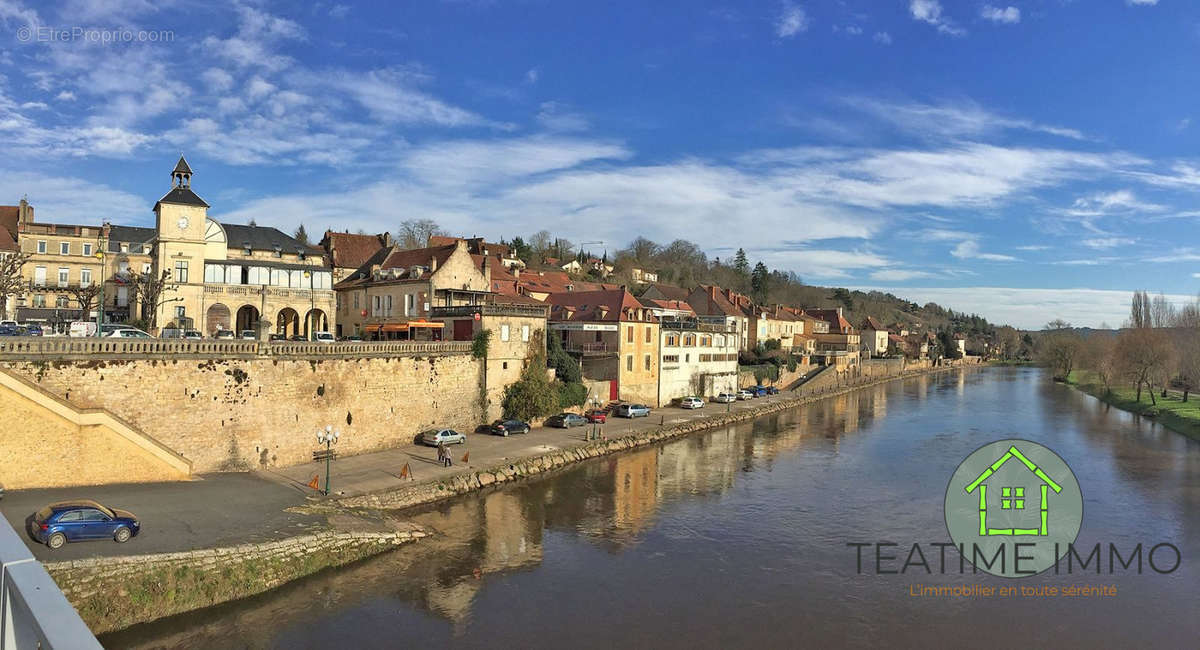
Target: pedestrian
(441,453)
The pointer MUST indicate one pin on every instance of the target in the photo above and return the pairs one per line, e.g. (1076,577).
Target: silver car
(434,437)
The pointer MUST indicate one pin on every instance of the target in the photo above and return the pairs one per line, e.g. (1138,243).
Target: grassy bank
(1171,411)
(999,362)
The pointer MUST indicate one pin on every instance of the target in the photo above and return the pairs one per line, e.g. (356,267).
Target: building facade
(616,338)
(696,359)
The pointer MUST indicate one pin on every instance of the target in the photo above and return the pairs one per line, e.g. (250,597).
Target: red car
(596,416)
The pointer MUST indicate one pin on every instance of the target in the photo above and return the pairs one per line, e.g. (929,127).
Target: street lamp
(328,437)
(312,306)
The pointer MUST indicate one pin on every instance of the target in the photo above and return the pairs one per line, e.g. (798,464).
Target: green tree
(566,367)
(533,395)
(760,283)
(301,235)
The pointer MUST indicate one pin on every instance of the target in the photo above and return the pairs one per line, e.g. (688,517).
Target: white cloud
(391,95)
(900,275)
(555,116)
(1177,255)
(532,75)
(73,200)
(1033,247)
(217,79)
(959,119)
(1115,202)
(1144,3)
(969,250)
(883,38)
(792,20)
(930,11)
(1104,243)
(1006,15)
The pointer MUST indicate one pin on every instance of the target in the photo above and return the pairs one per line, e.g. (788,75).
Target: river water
(739,537)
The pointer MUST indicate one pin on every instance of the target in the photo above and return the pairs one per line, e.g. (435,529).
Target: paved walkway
(234,508)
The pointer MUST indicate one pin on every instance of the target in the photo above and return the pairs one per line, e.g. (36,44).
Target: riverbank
(117,592)
(1170,411)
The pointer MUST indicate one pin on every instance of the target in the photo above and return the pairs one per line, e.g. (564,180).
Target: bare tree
(415,233)
(1100,357)
(1162,312)
(1189,315)
(148,290)
(1139,311)
(1145,358)
(1060,349)
(1188,354)
(12,283)
(85,297)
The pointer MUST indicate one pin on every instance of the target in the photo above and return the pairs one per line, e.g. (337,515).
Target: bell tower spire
(182,175)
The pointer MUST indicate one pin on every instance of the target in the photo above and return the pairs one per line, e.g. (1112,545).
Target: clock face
(183,223)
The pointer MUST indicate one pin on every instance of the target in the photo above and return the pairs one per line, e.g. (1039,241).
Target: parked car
(433,437)
(691,403)
(505,427)
(276,337)
(298,338)
(128,333)
(6,323)
(744,394)
(725,398)
(8,330)
(771,390)
(353,338)
(324,337)
(566,420)
(224,335)
(31,329)
(758,391)
(633,411)
(193,335)
(74,521)
(596,416)
(249,335)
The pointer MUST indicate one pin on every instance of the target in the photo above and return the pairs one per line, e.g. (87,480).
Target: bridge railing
(16,348)
(34,613)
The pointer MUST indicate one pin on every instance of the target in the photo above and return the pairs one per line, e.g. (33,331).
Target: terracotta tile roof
(350,251)
(674,305)
(837,323)
(872,324)
(711,300)
(557,282)
(607,305)
(8,243)
(895,338)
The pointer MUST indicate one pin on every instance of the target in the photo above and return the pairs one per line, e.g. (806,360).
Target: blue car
(77,521)
(759,391)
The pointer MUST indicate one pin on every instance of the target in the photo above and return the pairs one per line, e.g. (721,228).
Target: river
(738,538)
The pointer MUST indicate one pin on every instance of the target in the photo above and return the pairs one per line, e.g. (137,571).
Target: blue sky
(1026,160)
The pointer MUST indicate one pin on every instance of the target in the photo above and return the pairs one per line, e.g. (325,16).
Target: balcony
(697,326)
(590,349)
(490,309)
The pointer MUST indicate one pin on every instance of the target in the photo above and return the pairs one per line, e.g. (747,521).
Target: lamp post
(328,437)
(312,306)
(100,304)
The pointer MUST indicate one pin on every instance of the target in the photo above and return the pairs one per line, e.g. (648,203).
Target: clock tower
(182,221)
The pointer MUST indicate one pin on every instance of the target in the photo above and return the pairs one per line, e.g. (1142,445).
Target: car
(434,437)
(7,323)
(224,335)
(725,398)
(80,520)
(691,403)
(8,330)
(192,335)
(505,427)
(771,390)
(298,338)
(353,338)
(32,330)
(128,333)
(248,335)
(744,394)
(566,420)
(633,411)
(758,391)
(324,337)
(276,337)
(596,416)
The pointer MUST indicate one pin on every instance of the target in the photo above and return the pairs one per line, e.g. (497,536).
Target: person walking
(441,454)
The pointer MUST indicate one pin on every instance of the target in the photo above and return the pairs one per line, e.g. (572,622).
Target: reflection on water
(737,537)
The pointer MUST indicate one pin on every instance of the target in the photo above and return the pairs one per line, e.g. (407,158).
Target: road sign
(324,454)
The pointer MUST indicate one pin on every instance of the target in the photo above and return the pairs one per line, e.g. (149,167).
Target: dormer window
(278,250)
(246,248)
(301,254)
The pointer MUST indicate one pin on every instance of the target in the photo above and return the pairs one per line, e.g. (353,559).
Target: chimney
(375,271)
(386,239)
(839,312)
(516,273)
(24,212)
(432,264)
(729,296)
(487,270)
(712,291)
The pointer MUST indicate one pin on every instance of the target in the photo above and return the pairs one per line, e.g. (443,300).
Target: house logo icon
(1013,507)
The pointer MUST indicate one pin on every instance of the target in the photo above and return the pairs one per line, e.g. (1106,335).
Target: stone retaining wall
(114,593)
(429,492)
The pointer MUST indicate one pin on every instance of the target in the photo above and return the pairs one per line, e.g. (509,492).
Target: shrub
(566,367)
(479,344)
(773,344)
(792,364)
(571,394)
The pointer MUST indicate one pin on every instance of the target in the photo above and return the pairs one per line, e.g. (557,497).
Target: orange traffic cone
(404,472)
(314,483)
(466,456)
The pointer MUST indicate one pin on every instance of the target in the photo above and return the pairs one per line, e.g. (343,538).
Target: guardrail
(88,348)
(34,613)
(490,309)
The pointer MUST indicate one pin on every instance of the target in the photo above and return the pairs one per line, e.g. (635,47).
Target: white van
(82,328)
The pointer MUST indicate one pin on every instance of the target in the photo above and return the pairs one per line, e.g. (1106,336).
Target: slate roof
(263,238)
(182,196)
(666,292)
(181,167)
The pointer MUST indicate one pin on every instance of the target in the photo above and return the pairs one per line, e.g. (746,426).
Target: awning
(403,327)
(421,323)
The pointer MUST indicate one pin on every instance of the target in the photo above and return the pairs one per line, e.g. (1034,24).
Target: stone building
(64,263)
(617,338)
(697,358)
(230,276)
(346,252)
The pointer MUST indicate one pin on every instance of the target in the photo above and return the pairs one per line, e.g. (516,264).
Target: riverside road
(234,508)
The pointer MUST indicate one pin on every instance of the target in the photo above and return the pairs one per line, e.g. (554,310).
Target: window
(39,300)
(85,278)
(64,277)
(671,358)
(92,515)
(687,358)
(410,304)
(375,306)
(62,302)
(124,247)
(356,301)
(41,246)
(629,335)
(504,332)
(181,272)
(647,362)
(672,340)
(122,296)
(525,333)
(87,250)
(39,276)
(388,309)
(214,273)
(648,333)
(64,248)
(146,249)
(629,363)
(180,314)
(1012,498)
(72,515)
